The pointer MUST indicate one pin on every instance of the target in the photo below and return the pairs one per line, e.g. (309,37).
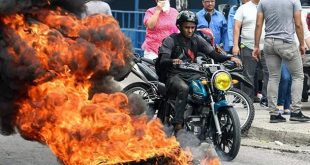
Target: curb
(294,138)
(274,146)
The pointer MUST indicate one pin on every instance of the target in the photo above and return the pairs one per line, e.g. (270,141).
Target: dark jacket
(176,46)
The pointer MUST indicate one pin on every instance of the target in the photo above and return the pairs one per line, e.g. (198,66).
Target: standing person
(160,23)
(245,17)
(284,95)
(231,22)
(281,20)
(218,23)
(97,7)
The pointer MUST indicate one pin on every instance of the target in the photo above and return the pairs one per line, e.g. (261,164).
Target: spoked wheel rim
(240,104)
(144,93)
(243,106)
(225,141)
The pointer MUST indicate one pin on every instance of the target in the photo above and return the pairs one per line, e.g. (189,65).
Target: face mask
(166,7)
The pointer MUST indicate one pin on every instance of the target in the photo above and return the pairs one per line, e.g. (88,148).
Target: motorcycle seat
(148,72)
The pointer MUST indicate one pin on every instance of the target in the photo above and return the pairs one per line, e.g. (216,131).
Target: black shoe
(299,117)
(277,119)
(256,99)
(304,100)
(263,102)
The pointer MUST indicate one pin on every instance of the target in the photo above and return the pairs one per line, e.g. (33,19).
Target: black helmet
(186,16)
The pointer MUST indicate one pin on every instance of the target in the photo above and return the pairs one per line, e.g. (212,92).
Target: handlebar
(231,66)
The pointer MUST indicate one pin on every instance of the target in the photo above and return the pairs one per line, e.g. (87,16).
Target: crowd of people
(260,36)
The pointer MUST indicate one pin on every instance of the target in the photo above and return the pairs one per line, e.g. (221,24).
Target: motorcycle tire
(228,144)
(244,107)
(147,94)
(142,89)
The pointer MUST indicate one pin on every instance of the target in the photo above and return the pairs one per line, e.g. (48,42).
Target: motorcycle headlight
(222,81)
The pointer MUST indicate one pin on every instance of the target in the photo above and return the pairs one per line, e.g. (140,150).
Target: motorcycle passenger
(177,49)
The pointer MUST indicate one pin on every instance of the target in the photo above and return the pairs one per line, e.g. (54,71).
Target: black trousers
(305,85)
(178,89)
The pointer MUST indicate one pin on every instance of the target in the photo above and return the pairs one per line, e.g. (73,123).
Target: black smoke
(22,70)
(14,6)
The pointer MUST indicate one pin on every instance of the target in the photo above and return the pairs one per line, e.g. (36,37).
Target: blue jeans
(284,94)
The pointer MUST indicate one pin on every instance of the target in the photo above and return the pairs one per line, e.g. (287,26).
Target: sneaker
(277,119)
(263,102)
(299,117)
(304,100)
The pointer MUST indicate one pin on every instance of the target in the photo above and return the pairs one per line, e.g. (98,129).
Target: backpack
(177,49)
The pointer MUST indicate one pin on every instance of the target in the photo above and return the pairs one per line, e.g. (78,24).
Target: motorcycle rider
(179,48)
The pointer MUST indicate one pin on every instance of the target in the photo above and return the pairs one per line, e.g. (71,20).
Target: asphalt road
(16,151)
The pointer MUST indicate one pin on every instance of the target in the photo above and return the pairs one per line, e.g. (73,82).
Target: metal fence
(131,23)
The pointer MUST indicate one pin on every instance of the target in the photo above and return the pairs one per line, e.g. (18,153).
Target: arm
(236,33)
(208,50)
(165,51)
(306,30)
(299,31)
(151,22)
(224,35)
(257,35)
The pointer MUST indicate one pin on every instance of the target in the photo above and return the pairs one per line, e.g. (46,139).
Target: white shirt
(305,28)
(246,14)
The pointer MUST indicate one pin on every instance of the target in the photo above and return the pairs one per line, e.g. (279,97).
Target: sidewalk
(289,132)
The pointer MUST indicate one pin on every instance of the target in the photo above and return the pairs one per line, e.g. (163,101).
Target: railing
(131,23)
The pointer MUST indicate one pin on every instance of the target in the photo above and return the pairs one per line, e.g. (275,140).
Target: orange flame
(210,161)
(58,113)
(81,131)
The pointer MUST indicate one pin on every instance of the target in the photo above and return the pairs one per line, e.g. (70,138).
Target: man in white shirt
(245,17)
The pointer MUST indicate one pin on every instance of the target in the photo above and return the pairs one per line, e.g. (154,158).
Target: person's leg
(178,88)
(273,62)
(265,79)
(288,101)
(305,90)
(291,55)
(249,69)
(292,58)
(282,89)
(286,87)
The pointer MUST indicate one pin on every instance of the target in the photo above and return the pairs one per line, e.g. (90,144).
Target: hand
(256,53)
(176,61)
(235,50)
(236,60)
(160,4)
(302,50)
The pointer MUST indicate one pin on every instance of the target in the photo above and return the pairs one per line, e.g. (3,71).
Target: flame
(82,131)
(210,161)
(62,53)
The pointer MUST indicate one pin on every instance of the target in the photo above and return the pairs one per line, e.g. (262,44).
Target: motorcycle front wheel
(243,104)
(228,143)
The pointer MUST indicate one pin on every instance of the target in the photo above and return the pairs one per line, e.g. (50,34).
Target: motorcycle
(145,69)
(242,102)
(208,115)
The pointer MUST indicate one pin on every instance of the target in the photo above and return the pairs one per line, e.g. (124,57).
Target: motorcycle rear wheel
(227,145)
(243,104)
(142,89)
